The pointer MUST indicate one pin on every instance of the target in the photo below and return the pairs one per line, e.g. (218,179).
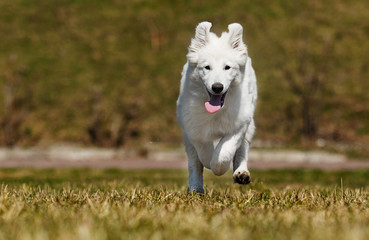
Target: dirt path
(176,159)
(147,164)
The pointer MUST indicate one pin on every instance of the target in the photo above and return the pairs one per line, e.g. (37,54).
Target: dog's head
(217,61)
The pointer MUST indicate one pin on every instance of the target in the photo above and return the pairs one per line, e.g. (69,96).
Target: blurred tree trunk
(305,73)
(110,125)
(16,102)
(96,119)
(307,92)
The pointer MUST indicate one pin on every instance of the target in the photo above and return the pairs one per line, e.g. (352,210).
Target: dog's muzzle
(216,101)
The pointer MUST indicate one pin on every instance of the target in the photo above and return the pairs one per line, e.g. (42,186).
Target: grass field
(107,73)
(117,204)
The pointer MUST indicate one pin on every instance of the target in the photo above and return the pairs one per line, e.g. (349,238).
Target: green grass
(153,204)
(67,65)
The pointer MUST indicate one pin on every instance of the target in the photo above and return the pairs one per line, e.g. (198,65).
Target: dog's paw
(242,177)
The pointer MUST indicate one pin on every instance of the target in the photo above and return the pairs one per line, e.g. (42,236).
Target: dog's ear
(235,36)
(200,40)
(235,40)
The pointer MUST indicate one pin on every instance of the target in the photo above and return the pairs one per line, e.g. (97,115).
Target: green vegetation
(107,72)
(153,204)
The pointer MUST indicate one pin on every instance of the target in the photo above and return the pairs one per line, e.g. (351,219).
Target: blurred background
(107,73)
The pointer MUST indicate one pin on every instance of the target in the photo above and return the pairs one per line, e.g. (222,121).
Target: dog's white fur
(215,140)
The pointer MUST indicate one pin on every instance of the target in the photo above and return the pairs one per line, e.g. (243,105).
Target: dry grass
(86,204)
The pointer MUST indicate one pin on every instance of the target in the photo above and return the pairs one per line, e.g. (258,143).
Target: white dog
(216,104)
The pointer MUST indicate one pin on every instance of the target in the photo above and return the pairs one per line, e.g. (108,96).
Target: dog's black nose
(217,87)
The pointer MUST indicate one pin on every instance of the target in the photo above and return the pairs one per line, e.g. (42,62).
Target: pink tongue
(214,104)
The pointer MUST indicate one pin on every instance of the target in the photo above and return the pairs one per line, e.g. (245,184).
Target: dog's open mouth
(215,103)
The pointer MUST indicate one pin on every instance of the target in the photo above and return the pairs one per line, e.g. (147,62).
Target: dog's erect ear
(235,36)
(201,36)
(200,40)
(235,40)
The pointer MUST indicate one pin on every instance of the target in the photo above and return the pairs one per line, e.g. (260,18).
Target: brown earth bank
(75,157)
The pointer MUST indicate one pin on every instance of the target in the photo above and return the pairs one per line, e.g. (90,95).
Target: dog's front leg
(225,152)
(195,169)
(241,173)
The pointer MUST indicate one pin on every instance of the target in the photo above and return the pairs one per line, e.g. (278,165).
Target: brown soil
(140,163)
(74,157)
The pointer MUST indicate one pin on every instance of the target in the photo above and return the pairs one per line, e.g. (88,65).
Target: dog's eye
(227,67)
(207,67)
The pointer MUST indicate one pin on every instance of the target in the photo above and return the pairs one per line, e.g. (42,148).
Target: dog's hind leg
(241,173)
(195,169)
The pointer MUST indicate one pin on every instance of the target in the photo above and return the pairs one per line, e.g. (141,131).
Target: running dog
(216,104)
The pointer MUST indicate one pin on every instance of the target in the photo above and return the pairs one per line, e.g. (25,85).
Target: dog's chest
(209,127)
